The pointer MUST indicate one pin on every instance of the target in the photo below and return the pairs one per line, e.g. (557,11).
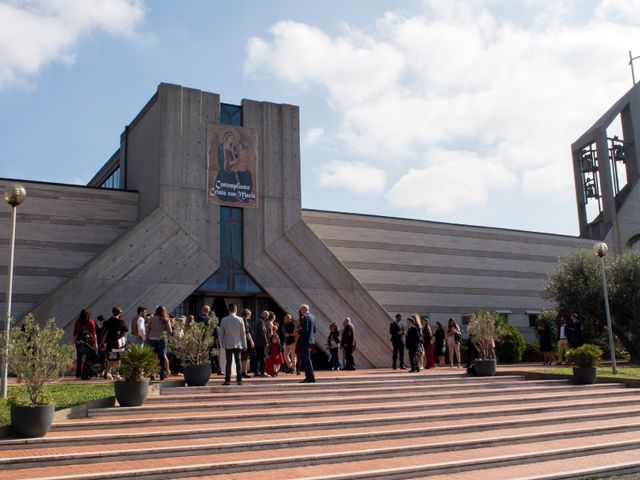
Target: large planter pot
(584,375)
(197,375)
(31,422)
(485,368)
(131,394)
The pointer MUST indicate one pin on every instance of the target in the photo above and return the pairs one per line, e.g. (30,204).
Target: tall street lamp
(601,249)
(14,195)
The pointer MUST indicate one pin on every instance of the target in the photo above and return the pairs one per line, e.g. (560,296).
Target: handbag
(122,341)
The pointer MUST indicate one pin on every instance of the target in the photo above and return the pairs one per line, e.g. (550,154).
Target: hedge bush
(511,346)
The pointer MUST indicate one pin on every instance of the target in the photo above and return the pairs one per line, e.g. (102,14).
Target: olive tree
(575,287)
(623,283)
(36,356)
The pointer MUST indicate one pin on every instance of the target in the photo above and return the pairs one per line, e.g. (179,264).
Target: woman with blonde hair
(157,327)
(427,339)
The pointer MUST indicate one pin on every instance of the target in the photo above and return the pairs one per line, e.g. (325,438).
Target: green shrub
(550,318)
(510,348)
(587,355)
(137,363)
(603,343)
(36,357)
(532,353)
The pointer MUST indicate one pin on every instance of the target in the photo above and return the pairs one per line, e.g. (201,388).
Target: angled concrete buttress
(286,258)
(173,248)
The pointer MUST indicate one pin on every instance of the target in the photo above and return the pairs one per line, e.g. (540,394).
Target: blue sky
(437,110)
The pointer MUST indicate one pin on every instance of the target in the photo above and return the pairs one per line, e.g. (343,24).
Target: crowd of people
(99,343)
(423,344)
(259,346)
(568,335)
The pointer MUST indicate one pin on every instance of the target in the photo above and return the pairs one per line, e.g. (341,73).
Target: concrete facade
(157,240)
(60,229)
(445,270)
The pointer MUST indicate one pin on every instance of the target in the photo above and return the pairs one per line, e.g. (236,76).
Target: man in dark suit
(260,340)
(396,330)
(205,315)
(573,331)
(307,342)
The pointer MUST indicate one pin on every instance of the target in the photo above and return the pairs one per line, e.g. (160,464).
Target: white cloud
(454,180)
(620,11)
(555,179)
(353,66)
(515,82)
(314,136)
(34,33)
(78,181)
(352,177)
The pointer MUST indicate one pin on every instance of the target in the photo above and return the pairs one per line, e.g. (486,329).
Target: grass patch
(63,395)
(629,373)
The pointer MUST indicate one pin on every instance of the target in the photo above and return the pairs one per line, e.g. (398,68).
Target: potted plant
(36,357)
(484,329)
(137,363)
(193,349)
(586,358)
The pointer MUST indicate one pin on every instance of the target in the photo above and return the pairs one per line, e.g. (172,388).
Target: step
(238,392)
(543,405)
(444,425)
(347,408)
(347,463)
(458,424)
(578,467)
(270,384)
(249,398)
(321,398)
(414,437)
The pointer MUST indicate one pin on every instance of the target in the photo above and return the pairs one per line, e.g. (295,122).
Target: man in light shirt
(233,339)
(137,330)
(563,342)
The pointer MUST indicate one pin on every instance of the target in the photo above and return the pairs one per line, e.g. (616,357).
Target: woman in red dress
(275,358)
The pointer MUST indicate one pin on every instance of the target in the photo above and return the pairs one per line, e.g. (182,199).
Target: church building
(201,204)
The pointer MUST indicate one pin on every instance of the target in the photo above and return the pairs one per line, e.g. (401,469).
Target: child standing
(275,358)
(333,344)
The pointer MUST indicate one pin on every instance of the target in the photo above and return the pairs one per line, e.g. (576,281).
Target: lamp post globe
(15,194)
(600,249)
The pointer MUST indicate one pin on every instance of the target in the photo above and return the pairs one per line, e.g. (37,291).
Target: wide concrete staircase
(374,424)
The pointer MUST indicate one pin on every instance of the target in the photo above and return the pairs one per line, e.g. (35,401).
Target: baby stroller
(93,364)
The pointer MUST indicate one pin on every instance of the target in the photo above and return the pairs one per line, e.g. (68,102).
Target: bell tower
(606,171)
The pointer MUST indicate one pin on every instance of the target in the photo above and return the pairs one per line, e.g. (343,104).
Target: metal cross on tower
(631,59)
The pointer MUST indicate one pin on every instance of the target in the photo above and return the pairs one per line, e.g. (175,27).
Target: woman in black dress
(348,344)
(412,341)
(439,343)
(115,331)
(546,344)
